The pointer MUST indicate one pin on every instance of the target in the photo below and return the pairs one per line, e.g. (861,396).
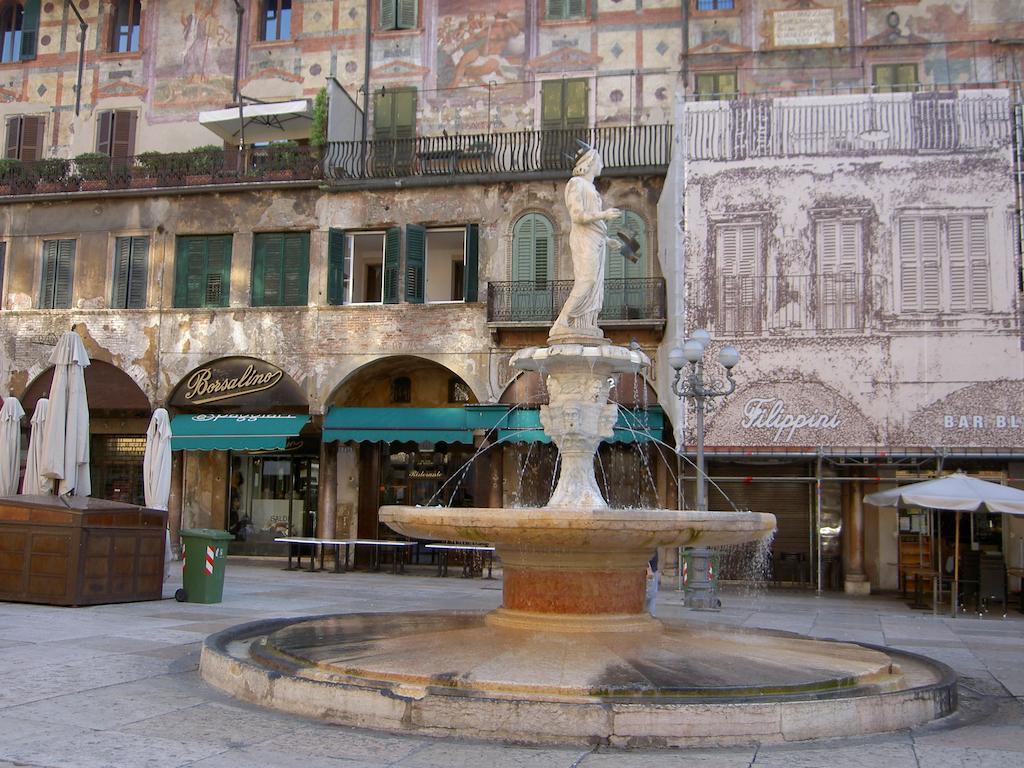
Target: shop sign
(990,421)
(770,413)
(987,415)
(426,474)
(206,385)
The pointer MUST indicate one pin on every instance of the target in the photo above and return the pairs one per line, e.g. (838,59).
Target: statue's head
(586,159)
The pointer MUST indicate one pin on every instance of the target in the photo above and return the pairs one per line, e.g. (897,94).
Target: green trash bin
(204,557)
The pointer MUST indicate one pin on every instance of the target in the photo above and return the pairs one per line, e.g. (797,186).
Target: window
(25,138)
(19,25)
(458,391)
(532,267)
(58,274)
(715,86)
(401,390)
(131,261)
(115,135)
(125,23)
(738,249)
(280,269)
(564,9)
(624,292)
(565,110)
(277,20)
(944,262)
(839,253)
(715,5)
(436,265)
(202,271)
(398,14)
(895,78)
(394,130)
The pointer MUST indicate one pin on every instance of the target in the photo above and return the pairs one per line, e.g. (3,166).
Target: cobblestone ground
(118,685)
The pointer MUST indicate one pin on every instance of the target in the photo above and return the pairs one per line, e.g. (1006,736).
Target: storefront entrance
(271,495)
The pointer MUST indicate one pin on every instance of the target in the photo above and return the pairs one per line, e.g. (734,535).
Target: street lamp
(700,591)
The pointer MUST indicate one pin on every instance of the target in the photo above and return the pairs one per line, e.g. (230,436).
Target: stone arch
(354,381)
(110,390)
(278,388)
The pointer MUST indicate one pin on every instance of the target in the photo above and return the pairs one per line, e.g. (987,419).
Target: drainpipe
(240,12)
(366,78)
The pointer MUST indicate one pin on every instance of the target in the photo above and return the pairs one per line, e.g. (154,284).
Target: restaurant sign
(789,414)
(237,381)
(980,415)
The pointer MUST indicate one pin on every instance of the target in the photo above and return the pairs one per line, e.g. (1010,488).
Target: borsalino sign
(238,382)
(204,387)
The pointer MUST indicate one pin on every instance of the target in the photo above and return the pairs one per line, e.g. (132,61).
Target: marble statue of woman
(588,240)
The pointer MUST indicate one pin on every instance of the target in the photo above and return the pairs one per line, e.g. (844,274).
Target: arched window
(125,26)
(624,291)
(532,268)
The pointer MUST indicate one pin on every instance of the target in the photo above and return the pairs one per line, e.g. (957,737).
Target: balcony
(865,124)
(496,156)
(154,170)
(638,302)
(750,306)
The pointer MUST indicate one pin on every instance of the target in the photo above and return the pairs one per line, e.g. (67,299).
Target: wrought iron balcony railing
(495,154)
(746,305)
(526,301)
(159,169)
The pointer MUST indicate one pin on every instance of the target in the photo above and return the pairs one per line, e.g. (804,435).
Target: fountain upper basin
(569,528)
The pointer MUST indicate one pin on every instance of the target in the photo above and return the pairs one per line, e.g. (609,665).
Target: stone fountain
(571,655)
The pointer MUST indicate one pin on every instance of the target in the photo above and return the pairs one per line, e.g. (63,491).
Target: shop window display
(271,496)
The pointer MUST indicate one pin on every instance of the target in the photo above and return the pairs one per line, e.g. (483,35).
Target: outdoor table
(444,549)
(295,542)
(920,572)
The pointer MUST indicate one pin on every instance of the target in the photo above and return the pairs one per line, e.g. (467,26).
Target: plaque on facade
(237,382)
(804,28)
(989,415)
(784,415)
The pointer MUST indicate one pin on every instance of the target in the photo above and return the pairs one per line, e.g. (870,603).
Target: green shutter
(405,113)
(382,114)
(551,104)
(49,277)
(557,9)
(392,257)
(122,268)
(388,16)
(616,264)
(138,273)
(29,29)
(576,8)
(218,265)
(406,14)
(337,261)
(295,269)
(260,245)
(415,258)
(3,255)
(470,275)
(65,273)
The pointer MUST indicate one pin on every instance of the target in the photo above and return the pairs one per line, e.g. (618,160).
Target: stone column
(327,494)
(856,580)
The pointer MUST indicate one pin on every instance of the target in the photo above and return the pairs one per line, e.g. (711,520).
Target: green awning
(632,426)
(234,432)
(418,425)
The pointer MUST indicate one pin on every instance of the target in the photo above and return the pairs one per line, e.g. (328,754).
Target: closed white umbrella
(959,493)
(34,483)
(10,445)
(156,471)
(66,435)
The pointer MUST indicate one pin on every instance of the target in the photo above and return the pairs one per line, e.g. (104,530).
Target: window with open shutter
(115,134)
(19,27)
(125,26)
(58,274)
(131,262)
(398,14)
(392,265)
(202,271)
(280,274)
(338,270)
(276,23)
(470,275)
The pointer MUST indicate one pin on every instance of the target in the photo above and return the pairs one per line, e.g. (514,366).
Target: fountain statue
(571,655)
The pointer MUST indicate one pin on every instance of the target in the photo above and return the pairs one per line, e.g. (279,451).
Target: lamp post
(690,382)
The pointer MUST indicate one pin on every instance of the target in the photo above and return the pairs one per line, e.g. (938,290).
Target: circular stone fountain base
(668,684)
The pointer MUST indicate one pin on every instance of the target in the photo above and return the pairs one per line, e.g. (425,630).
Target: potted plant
(12,175)
(203,163)
(52,173)
(283,159)
(151,168)
(94,169)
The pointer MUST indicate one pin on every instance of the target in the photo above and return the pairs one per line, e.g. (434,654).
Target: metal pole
(698,398)
(817,517)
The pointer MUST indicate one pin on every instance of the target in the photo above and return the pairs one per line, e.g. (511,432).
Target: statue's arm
(577,198)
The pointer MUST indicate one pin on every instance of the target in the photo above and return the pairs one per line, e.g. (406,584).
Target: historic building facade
(832,188)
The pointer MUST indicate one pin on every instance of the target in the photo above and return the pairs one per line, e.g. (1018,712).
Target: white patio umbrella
(156,471)
(65,455)
(959,493)
(10,445)
(34,483)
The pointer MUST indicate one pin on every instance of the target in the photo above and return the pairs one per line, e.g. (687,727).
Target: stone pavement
(117,685)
